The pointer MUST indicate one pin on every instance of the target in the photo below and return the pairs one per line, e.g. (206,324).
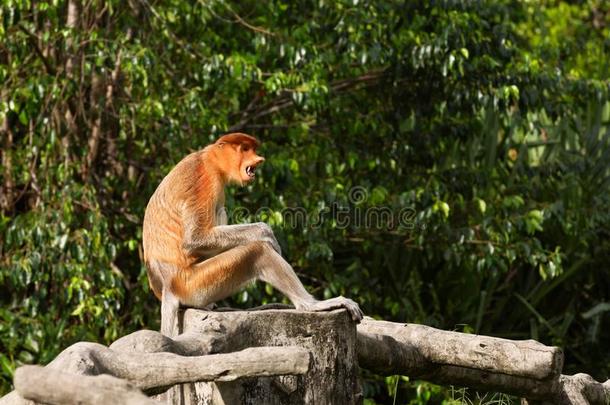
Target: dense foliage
(451,159)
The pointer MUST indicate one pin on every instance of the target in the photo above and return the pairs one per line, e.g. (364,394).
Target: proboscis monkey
(193,257)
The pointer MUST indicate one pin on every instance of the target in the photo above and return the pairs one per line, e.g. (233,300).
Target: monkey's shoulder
(185,176)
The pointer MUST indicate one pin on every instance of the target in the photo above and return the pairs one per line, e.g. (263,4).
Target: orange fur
(193,190)
(216,276)
(193,257)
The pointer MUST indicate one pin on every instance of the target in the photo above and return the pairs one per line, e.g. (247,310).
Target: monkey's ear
(238,138)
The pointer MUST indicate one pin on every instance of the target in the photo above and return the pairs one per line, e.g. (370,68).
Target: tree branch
(525,368)
(96,130)
(48,386)
(251,114)
(33,40)
(523,358)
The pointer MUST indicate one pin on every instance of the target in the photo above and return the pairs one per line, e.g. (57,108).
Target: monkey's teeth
(250,171)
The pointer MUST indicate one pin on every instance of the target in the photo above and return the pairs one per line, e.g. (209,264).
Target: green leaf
(533,221)
(23,117)
(481,205)
(442,207)
(7,366)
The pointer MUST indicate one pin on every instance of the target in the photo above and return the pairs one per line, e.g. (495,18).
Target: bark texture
(330,337)
(50,386)
(521,358)
(151,370)
(525,368)
(291,357)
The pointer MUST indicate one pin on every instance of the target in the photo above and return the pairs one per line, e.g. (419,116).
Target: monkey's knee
(268,246)
(258,247)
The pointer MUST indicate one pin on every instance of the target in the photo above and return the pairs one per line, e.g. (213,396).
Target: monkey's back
(163,228)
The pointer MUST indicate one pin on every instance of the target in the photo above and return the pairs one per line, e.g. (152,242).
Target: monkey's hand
(266,235)
(334,303)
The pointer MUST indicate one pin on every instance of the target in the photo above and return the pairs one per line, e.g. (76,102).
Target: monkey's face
(249,160)
(236,157)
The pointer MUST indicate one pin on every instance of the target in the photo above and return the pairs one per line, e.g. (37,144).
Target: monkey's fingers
(354,310)
(340,302)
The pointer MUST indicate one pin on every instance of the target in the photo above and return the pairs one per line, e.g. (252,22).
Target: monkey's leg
(222,275)
(169,313)
(218,277)
(276,271)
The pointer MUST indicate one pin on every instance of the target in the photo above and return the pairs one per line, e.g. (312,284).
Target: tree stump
(329,336)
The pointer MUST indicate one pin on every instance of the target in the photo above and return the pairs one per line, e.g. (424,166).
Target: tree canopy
(442,162)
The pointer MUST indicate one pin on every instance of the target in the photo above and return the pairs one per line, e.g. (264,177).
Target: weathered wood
(156,372)
(385,355)
(186,344)
(524,368)
(51,386)
(521,358)
(329,336)
(325,345)
(573,390)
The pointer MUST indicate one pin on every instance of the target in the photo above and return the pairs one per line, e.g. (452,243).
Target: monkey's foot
(336,303)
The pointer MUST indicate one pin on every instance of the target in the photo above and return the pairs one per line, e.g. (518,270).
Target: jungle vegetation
(449,161)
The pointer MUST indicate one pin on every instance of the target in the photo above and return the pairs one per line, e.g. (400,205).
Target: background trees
(487,122)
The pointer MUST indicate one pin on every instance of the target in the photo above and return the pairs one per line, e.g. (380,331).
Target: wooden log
(49,386)
(520,358)
(423,352)
(385,355)
(329,336)
(573,390)
(186,344)
(145,357)
(156,372)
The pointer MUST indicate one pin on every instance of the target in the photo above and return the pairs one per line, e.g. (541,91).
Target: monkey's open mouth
(250,171)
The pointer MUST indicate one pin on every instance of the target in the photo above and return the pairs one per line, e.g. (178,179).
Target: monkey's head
(237,158)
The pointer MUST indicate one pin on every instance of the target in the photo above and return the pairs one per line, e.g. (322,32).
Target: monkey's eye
(245,148)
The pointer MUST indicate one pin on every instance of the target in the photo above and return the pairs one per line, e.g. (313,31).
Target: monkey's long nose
(259,160)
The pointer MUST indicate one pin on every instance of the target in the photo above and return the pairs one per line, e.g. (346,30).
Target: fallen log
(49,386)
(326,345)
(156,372)
(520,358)
(524,368)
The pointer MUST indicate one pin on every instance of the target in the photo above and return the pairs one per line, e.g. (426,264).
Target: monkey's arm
(224,237)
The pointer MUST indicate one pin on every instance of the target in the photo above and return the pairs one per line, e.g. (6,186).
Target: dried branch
(138,359)
(238,19)
(524,368)
(524,358)
(246,24)
(49,386)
